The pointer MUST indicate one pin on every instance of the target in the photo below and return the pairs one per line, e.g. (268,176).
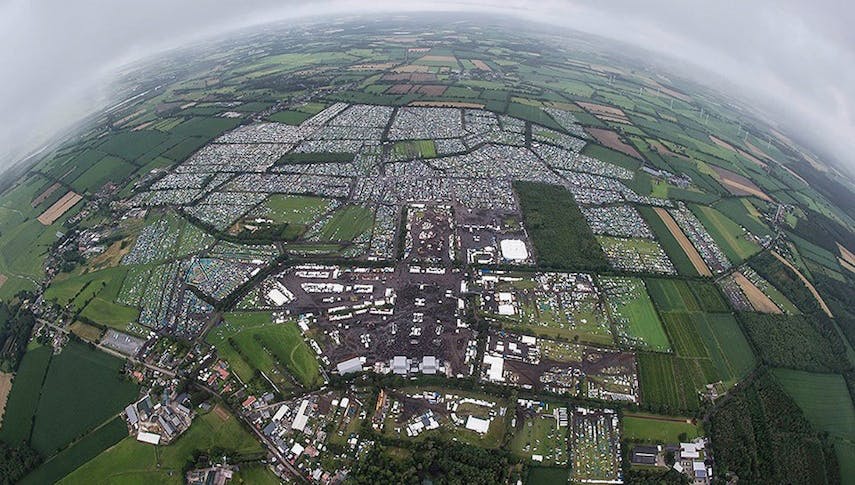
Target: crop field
(686,340)
(548,475)
(672,295)
(108,169)
(24,397)
(633,314)
(130,461)
(727,234)
(824,398)
(727,346)
(709,297)
(251,342)
(93,379)
(672,383)
(79,453)
(651,428)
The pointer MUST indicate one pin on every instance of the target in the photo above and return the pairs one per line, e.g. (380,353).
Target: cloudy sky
(792,57)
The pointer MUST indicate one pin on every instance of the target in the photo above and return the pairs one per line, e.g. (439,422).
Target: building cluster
(316,434)
(161,419)
(687,458)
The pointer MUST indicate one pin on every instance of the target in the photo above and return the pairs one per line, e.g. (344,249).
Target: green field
(562,238)
(347,223)
(255,475)
(651,428)
(672,295)
(687,341)
(98,391)
(824,398)
(633,314)
(24,397)
(727,234)
(79,453)
(251,342)
(670,384)
(405,150)
(709,297)
(131,461)
(727,346)
(541,475)
(298,211)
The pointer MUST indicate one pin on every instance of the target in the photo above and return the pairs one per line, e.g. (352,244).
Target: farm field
(93,379)
(130,461)
(824,398)
(653,428)
(727,234)
(24,397)
(672,295)
(251,342)
(670,383)
(78,453)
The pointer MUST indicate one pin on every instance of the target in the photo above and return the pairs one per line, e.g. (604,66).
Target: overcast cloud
(794,58)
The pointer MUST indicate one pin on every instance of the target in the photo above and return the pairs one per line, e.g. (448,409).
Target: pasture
(347,223)
(252,343)
(652,428)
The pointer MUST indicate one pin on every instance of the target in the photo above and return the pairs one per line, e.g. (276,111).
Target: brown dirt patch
(685,244)
(432,89)
(738,185)
(612,140)
(479,64)
(59,208)
(5,387)
(447,104)
(44,195)
(846,254)
(806,282)
(399,89)
(759,300)
(607,113)
(3,279)
(221,413)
